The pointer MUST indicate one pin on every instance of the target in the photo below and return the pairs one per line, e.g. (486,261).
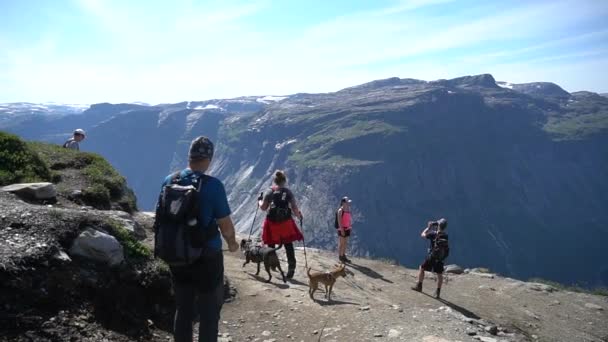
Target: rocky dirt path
(374,303)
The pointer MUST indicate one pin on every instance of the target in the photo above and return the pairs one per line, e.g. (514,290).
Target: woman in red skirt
(279,226)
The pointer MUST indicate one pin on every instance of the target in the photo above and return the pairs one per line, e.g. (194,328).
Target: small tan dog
(328,279)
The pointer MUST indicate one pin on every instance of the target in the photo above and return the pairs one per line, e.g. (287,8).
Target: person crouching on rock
(344,226)
(438,252)
(279,226)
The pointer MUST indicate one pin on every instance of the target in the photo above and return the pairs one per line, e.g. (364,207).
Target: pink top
(346,220)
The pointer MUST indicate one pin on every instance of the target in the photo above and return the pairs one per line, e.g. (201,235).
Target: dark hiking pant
(291,255)
(199,289)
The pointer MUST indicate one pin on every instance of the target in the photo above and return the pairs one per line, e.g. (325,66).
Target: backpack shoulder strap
(201,180)
(176,177)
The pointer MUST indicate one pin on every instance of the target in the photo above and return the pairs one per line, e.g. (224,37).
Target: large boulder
(98,246)
(35,191)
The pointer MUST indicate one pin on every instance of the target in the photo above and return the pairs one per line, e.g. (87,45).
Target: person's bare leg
(439,282)
(418,286)
(345,245)
(420,275)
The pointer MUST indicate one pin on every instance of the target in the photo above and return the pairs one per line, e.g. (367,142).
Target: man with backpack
(438,252)
(191,208)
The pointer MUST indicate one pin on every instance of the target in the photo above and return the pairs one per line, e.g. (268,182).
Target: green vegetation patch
(134,249)
(19,163)
(584,115)
(104,184)
(316,150)
(576,127)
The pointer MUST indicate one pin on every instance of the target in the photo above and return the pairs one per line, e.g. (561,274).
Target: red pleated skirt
(280,232)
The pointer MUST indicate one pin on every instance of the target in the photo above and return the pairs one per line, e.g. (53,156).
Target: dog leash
(304,243)
(257,206)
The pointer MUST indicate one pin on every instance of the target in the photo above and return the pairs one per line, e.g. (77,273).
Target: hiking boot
(346,259)
(342,258)
(418,287)
(290,273)
(438,293)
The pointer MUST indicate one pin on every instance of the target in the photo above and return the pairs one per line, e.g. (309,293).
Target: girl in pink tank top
(344,227)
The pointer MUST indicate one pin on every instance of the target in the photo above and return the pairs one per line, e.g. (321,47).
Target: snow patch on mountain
(271,99)
(279,146)
(209,106)
(505,85)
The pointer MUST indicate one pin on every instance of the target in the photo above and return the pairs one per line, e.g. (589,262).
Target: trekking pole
(304,244)
(257,206)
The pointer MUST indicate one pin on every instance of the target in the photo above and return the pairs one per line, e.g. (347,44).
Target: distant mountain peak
(387,82)
(483,80)
(545,89)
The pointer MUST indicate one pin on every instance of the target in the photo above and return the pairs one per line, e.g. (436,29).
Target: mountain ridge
(504,166)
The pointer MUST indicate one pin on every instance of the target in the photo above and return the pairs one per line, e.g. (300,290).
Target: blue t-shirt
(213,201)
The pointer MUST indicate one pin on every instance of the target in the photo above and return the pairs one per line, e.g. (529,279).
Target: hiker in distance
(191,208)
(279,226)
(343,224)
(73,142)
(438,252)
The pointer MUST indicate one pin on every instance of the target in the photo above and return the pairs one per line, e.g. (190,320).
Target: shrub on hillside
(19,163)
(103,185)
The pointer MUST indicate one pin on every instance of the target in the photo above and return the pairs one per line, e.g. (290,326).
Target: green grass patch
(97,196)
(316,150)
(600,291)
(576,127)
(19,163)
(132,247)
(103,184)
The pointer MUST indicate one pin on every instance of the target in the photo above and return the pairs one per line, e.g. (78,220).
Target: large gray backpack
(178,237)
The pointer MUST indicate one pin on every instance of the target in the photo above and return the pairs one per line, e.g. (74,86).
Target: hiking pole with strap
(257,206)
(304,244)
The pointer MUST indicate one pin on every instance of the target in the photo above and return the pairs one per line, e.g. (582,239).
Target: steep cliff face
(518,170)
(519,177)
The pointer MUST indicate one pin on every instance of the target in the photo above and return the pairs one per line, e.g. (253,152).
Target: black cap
(201,148)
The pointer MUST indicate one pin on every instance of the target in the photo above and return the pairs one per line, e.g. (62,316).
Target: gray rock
(378,335)
(127,222)
(454,269)
(491,329)
(36,191)
(483,275)
(593,306)
(486,339)
(393,333)
(541,287)
(95,245)
(62,256)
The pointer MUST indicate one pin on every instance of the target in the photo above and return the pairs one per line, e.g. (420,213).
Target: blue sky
(87,51)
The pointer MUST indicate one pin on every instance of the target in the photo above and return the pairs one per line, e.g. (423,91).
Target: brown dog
(328,279)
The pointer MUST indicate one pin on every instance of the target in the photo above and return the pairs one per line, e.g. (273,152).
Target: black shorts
(432,265)
(345,234)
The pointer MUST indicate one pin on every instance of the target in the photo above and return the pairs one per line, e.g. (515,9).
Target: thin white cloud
(197,53)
